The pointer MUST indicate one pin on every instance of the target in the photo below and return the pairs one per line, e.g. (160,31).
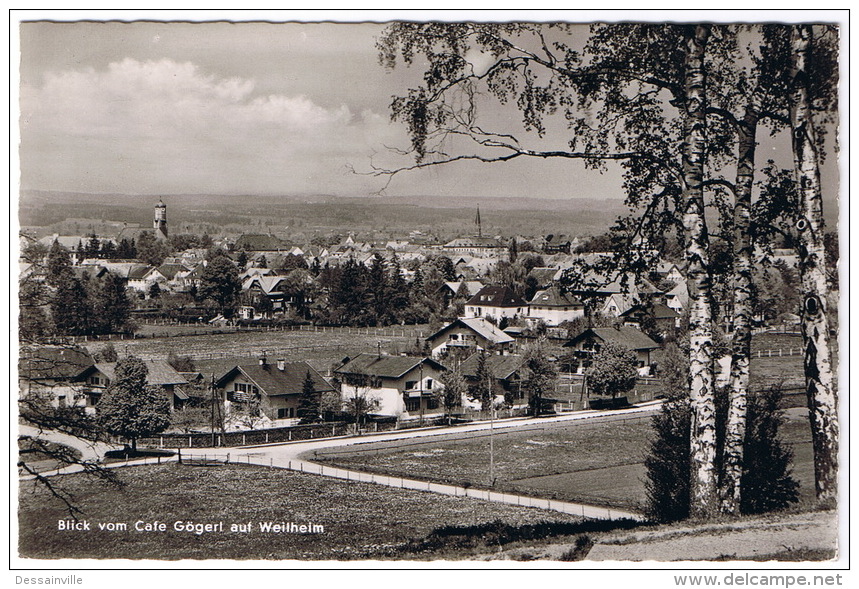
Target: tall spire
(477,221)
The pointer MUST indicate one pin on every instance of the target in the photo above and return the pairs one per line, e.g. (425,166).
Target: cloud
(180,129)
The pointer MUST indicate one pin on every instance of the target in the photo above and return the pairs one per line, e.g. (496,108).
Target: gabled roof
(472,286)
(478,325)
(52,362)
(501,367)
(656,310)
(259,243)
(273,381)
(169,271)
(553,297)
(140,271)
(496,296)
(474,241)
(543,275)
(628,337)
(385,366)
(268,284)
(160,373)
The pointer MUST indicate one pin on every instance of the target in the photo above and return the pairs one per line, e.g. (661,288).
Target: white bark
(735,430)
(703,495)
(819,380)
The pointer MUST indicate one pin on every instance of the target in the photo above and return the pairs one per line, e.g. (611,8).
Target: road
(292,456)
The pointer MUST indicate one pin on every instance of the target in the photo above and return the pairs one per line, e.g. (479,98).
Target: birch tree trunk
(735,431)
(703,489)
(819,380)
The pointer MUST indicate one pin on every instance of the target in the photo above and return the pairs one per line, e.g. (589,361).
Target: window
(413,405)
(285,412)
(429,383)
(97,380)
(432,403)
(411,385)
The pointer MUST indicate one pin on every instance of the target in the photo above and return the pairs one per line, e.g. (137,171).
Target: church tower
(160,220)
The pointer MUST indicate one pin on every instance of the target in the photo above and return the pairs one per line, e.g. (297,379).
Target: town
(429,291)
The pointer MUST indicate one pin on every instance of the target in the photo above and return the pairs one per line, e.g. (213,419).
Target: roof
(472,286)
(501,367)
(543,275)
(553,297)
(656,310)
(258,243)
(474,241)
(273,381)
(169,271)
(268,284)
(480,326)
(628,337)
(160,373)
(139,271)
(385,366)
(496,296)
(52,362)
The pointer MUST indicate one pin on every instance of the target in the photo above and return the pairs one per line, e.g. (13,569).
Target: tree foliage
(129,406)
(308,401)
(613,370)
(540,376)
(767,483)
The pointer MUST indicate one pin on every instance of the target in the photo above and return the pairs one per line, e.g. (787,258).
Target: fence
(588,511)
(249,437)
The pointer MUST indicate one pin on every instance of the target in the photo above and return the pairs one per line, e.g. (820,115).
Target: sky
(236,108)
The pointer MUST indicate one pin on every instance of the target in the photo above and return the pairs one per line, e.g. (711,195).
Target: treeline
(70,303)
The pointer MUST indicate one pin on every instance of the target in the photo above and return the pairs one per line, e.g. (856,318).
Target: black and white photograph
(430,289)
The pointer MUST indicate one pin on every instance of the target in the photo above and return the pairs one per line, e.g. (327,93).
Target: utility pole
(491,432)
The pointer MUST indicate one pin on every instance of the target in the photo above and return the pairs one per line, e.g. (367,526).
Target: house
(276,387)
(506,370)
(251,242)
(448,290)
(662,318)
(477,246)
(556,244)
(468,334)
(404,386)
(495,302)
(553,307)
(588,343)
(141,278)
(678,297)
(95,379)
(50,374)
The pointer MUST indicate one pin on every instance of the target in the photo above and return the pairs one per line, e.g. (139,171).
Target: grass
(598,462)
(361,521)
(38,454)
(322,347)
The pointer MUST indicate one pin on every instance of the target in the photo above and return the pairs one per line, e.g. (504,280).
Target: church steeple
(160,220)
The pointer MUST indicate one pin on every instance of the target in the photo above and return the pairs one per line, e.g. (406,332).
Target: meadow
(359,520)
(599,462)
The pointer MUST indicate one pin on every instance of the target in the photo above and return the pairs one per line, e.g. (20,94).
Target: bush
(767,484)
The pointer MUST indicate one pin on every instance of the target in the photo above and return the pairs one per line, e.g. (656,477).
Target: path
(290,456)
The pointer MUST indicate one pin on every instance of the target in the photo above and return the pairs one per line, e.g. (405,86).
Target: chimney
(262,359)
(281,364)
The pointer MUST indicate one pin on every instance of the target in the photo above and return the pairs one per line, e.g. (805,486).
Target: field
(321,346)
(360,520)
(600,462)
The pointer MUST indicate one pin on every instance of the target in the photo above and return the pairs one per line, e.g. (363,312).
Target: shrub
(767,483)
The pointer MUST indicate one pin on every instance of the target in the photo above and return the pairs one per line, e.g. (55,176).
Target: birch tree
(819,379)
(636,95)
